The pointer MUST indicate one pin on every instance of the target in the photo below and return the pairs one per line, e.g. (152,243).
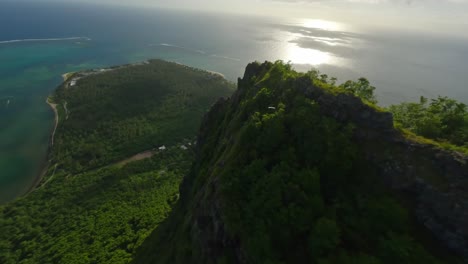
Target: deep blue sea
(39,42)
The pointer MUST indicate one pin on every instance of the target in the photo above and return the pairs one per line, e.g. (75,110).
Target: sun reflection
(321,24)
(313,43)
(298,55)
(328,42)
(308,56)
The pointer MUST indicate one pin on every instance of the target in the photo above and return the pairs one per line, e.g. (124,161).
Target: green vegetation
(290,186)
(129,110)
(442,122)
(442,119)
(360,88)
(89,208)
(273,178)
(100,216)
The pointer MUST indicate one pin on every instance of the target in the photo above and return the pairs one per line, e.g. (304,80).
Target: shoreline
(42,171)
(67,79)
(54,108)
(46,163)
(217,73)
(67,76)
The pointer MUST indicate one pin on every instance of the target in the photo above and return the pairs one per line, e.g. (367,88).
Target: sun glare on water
(310,30)
(321,24)
(298,55)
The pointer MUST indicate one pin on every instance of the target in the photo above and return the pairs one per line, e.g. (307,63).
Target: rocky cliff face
(436,179)
(433,181)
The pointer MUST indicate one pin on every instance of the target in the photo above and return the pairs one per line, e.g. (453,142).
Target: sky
(434,16)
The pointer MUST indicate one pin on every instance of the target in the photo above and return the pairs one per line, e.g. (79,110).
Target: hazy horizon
(435,17)
(39,43)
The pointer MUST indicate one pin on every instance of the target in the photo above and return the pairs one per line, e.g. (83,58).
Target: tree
(362,89)
(442,119)
(324,237)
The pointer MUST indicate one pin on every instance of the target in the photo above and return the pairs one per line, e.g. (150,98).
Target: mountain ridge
(291,168)
(433,180)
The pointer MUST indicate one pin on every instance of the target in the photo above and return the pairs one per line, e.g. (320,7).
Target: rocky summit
(294,169)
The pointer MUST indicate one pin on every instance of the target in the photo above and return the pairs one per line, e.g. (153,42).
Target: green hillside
(152,163)
(90,207)
(293,169)
(126,110)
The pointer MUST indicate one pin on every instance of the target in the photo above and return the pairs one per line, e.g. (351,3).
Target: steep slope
(97,202)
(291,169)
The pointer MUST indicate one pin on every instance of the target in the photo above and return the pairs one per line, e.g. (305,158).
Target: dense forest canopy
(276,179)
(89,207)
(115,114)
(442,119)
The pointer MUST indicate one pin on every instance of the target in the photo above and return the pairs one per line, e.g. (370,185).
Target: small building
(272,108)
(162,148)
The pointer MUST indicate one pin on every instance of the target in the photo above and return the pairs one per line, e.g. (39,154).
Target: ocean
(39,42)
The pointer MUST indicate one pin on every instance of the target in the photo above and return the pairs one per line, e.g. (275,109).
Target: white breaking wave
(8,100)
(225,57)
(45,39)
(169,45)
(184,48)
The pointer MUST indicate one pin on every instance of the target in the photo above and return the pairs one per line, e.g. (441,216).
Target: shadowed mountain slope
(292,169)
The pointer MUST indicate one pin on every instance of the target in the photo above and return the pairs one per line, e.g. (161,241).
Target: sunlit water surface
(39,42)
